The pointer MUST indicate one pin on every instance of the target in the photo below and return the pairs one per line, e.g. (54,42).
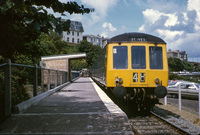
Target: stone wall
(60,64)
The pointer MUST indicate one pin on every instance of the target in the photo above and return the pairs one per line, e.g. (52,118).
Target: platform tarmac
(77,109)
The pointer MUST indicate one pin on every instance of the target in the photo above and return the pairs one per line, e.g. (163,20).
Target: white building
(76,33)
(177,54)
(96,40)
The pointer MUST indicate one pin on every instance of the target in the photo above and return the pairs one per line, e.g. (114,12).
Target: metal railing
(20,82)
(183,92)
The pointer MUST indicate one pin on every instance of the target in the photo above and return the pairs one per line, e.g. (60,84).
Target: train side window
(138,57)
(156,57)
(120,57)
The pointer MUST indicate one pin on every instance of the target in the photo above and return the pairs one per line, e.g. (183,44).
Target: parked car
(192,86)
(175,84)
(188,89)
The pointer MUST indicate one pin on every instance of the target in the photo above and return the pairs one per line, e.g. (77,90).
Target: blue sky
(175,21)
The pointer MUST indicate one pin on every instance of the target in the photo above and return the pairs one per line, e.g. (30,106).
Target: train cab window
(138,57)
(120,57)
(156,57)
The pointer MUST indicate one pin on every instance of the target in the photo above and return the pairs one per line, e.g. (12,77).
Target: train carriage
(134,67)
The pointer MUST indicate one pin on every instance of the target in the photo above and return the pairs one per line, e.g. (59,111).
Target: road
(190,105)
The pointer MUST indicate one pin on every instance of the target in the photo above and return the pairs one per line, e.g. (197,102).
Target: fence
(185,92)
(20,82)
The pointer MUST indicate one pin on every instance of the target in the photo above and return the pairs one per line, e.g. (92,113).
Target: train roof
(136,37)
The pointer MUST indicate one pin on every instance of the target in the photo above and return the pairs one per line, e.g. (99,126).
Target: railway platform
(77,109)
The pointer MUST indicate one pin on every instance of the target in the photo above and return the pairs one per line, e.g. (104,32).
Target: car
(188,89)
(175,84)
(192,86)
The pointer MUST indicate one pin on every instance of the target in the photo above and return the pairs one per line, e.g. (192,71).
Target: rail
(19,83)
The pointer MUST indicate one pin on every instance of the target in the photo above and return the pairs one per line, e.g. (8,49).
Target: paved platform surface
(77,109)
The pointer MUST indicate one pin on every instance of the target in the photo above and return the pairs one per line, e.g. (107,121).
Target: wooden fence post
(35,85)
(8,88)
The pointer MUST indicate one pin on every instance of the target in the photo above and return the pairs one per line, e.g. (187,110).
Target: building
(177,54)
(76,33)
(96,40)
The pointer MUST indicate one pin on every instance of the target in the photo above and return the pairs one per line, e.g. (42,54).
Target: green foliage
(79,64)
(196,67)
(92,51)
(176,64)
(19,91)
(173,76)
(23,21)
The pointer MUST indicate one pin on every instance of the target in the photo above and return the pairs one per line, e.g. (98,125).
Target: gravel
(184,119)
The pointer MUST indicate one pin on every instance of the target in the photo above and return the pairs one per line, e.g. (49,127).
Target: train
(134,67)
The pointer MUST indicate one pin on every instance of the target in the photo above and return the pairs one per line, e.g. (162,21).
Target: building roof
(65,56)
(136,37)
(76,26)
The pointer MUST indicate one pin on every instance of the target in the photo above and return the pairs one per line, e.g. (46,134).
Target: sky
(177,22)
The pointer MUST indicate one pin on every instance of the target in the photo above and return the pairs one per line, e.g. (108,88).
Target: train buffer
(79,108)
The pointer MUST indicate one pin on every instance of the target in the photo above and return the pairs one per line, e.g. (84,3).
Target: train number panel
(134,67)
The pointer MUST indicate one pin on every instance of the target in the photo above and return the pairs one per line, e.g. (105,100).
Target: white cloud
(101,6)
(179,26)
(107,29)
(172,20)
(142,28)
(194,5)
(108,26)
(151,16)
(169,35)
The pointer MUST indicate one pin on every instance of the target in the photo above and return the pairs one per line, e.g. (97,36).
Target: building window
(72,33)
(68,33)
(68,39)
(73,40)
(78,41)
(77,33)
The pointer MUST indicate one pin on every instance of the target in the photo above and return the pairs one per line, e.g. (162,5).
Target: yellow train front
(134,67)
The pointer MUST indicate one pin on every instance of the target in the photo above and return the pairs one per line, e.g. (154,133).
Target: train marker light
(120,80)
(157,80)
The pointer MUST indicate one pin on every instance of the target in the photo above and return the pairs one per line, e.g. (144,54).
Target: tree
(176,64)
(22,21)
(92,51)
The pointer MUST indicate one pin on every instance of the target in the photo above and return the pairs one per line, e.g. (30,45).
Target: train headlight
(157,80)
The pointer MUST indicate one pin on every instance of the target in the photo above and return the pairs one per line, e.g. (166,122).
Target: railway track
(154,124)
(151,123)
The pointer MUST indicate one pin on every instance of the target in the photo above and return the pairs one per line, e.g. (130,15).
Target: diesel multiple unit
(134,67)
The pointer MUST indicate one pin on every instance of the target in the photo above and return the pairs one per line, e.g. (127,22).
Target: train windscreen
(120,57)
(156,57)
(138,57)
